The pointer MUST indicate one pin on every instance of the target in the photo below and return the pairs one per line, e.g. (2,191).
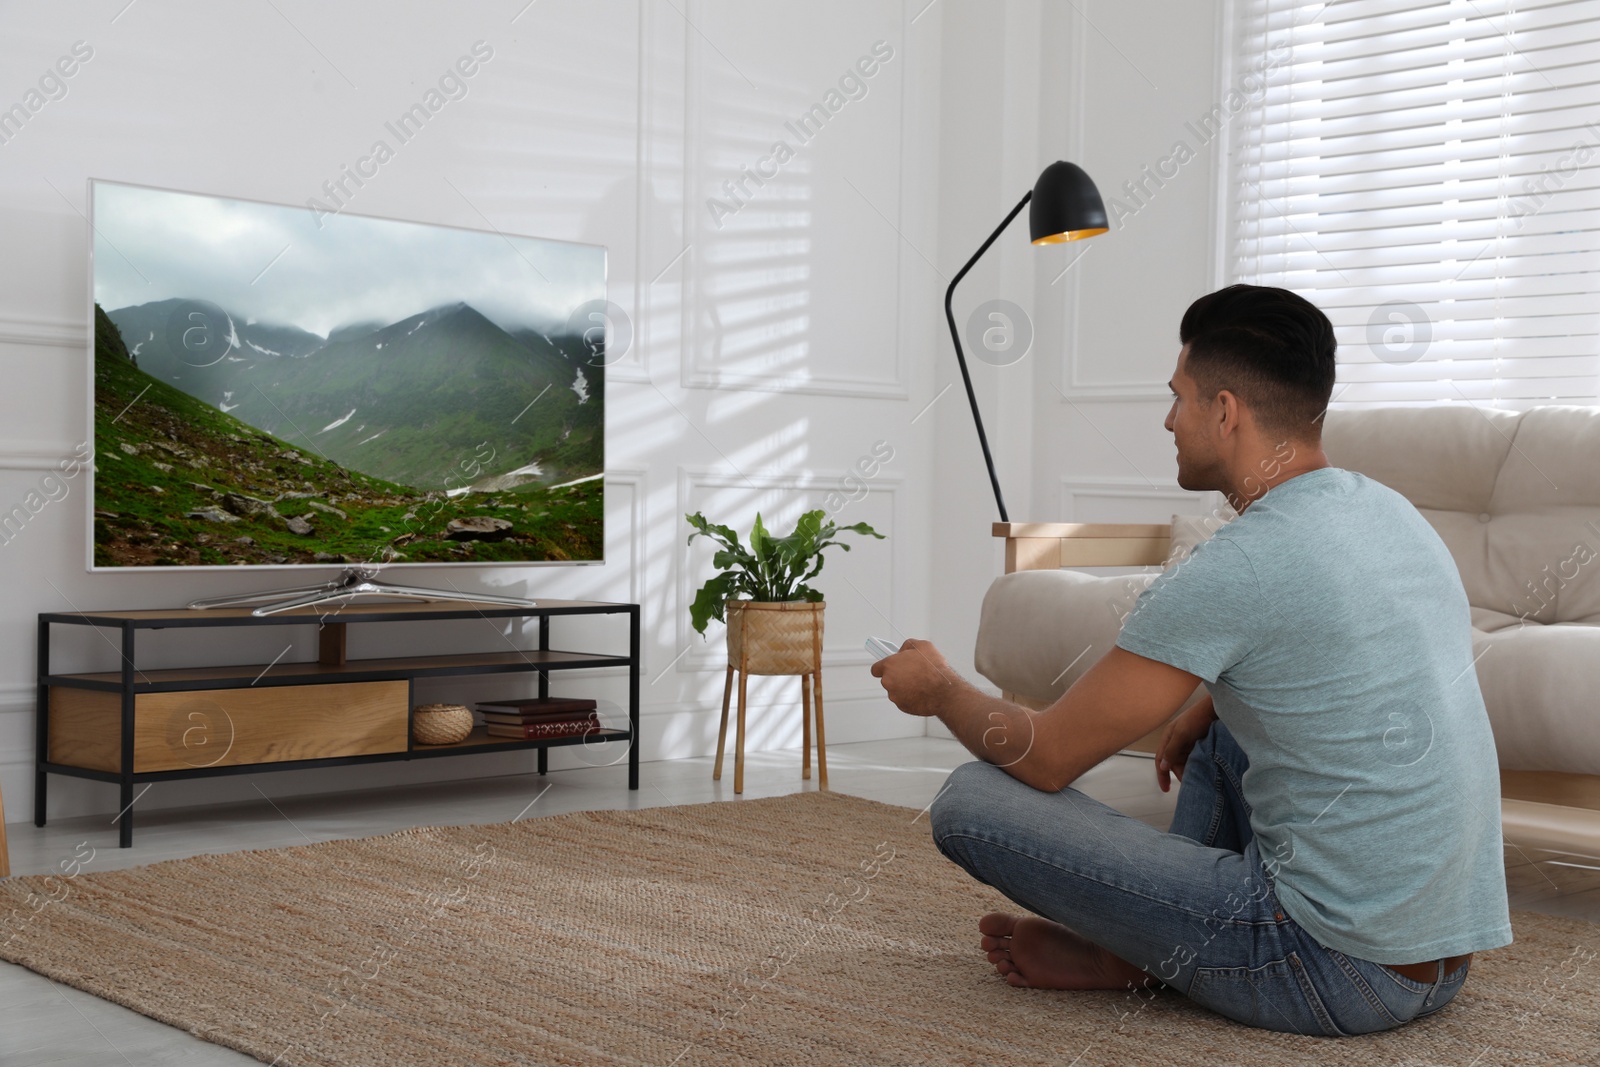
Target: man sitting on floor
(1335,854)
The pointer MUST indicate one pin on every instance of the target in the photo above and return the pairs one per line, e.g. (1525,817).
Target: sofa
(1515,496)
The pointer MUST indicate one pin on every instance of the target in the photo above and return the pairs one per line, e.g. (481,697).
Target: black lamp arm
(955,335)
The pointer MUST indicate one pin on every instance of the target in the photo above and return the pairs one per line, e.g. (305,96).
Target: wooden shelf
(479,740)
(263,674)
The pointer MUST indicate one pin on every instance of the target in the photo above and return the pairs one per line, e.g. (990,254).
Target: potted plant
(774,617)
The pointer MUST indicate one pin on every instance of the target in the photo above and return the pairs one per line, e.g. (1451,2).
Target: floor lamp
(1066,207)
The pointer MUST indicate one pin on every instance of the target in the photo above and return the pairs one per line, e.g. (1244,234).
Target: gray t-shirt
(1329,624)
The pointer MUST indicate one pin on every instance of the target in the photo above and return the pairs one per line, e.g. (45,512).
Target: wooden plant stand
(775,638)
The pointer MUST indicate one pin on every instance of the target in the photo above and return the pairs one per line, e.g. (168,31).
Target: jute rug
(808,929)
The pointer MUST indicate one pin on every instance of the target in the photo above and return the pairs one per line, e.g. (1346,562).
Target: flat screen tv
(277,387)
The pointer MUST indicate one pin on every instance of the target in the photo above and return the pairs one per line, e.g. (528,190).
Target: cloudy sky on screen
(152,244)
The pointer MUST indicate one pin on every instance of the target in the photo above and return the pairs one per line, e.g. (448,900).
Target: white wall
(1076,424)
(1142,74)
(771,351)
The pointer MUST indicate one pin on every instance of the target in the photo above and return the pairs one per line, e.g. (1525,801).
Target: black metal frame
(955,335)
(129,687)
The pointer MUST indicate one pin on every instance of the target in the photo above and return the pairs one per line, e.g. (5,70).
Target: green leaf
(761,549)
(709,601)
(801,545)
(862,528)
(723,534)
(808,531)
(758,537)
(728,558)
(816,568)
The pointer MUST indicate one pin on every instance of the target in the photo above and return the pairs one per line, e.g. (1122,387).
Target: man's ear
(1227,412)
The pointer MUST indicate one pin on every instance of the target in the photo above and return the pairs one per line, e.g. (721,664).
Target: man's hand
(1117,701)
(917,678)
(1180,739)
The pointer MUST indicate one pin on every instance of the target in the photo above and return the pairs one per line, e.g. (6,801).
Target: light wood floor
(43,1022)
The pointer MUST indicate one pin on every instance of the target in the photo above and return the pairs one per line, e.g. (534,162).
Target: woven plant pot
(774,637)
(440,724)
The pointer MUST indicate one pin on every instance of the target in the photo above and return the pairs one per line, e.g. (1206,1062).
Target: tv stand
(354,582)
(135,723)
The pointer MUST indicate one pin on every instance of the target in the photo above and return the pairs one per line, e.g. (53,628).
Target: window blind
(1427,173)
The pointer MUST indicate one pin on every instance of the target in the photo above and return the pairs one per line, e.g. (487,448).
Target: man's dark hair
(1270,348)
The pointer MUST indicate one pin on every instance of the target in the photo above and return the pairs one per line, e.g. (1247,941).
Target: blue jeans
(1195,908)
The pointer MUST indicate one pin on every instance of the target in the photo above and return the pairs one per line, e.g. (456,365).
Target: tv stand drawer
(230,727)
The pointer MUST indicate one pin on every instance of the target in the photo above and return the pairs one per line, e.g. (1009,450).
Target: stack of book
(533,718)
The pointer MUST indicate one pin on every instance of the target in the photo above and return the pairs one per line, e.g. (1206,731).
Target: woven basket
(440,724)
(775,637)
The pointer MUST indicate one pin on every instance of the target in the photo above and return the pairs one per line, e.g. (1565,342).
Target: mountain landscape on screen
(395,401)
(277,387)
(437,437)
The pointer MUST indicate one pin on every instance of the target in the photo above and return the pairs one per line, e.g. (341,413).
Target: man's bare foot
(1039,954)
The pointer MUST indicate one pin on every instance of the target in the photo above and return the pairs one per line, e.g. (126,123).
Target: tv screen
(276,386)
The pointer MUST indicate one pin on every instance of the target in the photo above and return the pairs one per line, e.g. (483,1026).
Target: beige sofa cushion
(1556,462)
(1540,685)
(1446,460)
(1040,630)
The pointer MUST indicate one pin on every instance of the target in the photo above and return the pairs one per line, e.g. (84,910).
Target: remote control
(881,648)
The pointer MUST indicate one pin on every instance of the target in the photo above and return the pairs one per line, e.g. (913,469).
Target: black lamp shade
(1066,206)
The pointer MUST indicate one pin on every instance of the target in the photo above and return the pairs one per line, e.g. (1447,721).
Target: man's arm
(1117,701)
